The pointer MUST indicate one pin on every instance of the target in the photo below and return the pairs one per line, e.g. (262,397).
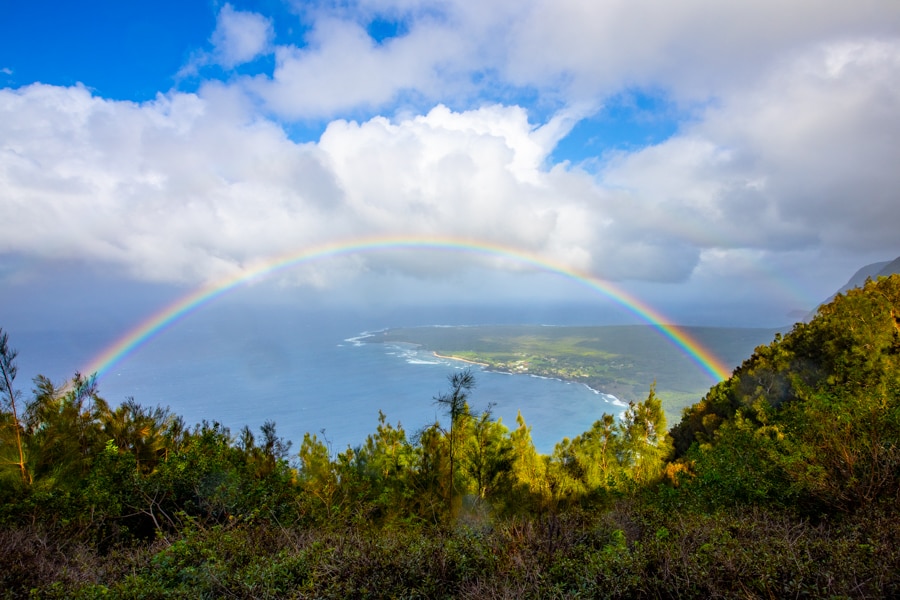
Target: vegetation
(783,480)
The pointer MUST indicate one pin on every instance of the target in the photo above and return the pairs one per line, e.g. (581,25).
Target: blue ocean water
(308,372)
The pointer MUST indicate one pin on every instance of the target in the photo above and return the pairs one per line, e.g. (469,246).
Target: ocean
(308,372)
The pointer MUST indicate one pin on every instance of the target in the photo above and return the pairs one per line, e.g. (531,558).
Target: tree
(428,480)
(529,470)
(461,384)
(272,451)
(140,431)
(488,456)
(589,464)
(383,466)
(645,443)
(8,370)
(318,475)
(64,429)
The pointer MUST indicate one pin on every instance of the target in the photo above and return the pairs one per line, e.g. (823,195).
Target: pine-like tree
(8,371)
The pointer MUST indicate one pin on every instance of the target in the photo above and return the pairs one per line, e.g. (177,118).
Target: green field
(619,360)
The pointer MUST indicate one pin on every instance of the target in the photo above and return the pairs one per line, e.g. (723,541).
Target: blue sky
(725,162)
(119,49)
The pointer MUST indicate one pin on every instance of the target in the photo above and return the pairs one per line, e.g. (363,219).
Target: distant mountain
(873,271)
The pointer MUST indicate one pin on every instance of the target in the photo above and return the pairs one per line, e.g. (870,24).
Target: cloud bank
(448,129)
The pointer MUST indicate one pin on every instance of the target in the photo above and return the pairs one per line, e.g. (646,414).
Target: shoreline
(459,358)
(611,397)
(615,399)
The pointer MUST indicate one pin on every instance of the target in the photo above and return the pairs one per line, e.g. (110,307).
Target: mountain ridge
(857,280)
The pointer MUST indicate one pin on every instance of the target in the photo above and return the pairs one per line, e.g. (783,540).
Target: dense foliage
(783,480)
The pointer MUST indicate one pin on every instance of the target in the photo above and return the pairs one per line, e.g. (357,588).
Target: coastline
(611,389)
(614,399)
(465,360)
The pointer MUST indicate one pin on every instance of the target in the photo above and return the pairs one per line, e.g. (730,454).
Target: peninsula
(619,360)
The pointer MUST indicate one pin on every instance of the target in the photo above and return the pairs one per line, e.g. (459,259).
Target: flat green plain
(622,360)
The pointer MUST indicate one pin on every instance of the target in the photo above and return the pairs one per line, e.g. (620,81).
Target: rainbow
(159,321)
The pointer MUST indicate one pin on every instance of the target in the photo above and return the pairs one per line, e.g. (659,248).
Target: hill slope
(813,416)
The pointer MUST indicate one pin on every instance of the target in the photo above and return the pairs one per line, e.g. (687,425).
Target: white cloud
(795,149)
(342,69)
(805,157)
(568,51)
(240,36)
(175,189)
(693,48)
(190,187)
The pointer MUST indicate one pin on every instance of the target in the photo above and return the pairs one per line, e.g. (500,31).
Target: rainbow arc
(196,299)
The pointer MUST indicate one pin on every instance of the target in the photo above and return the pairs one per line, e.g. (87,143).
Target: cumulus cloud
(691,49)
(194,186)
(802,158)
(240,36)
(570,51)
(182,188)
(174,189)
(342,68)
(793,147)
